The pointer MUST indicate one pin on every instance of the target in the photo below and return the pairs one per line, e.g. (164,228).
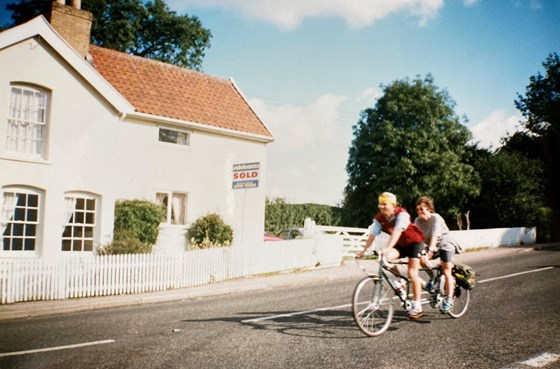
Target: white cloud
(306,162)
(491,129)
(469,3)
(288,14)
(370,95)
(535,4)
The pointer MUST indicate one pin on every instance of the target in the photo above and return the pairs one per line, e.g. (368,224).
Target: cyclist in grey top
(440,243)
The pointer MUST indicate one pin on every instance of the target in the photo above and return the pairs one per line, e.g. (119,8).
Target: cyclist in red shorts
(406,240)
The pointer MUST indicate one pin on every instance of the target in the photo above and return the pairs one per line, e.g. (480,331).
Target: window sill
(18,255)
(23,159)
(172,146)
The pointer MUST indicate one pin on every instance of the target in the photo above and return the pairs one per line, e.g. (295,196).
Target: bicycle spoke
(375,317)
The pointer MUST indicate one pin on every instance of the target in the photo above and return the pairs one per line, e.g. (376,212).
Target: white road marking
(16,353)
(514,275)
(424,301)
(539,361)
(542,360)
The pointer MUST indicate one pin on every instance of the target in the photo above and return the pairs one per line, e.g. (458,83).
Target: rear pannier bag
(465,276)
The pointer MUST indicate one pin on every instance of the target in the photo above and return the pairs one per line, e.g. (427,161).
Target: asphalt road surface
(512,322)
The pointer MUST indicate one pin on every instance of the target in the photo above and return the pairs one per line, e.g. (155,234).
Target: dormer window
(27,122)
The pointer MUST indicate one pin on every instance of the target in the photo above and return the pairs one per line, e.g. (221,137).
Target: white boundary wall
(355,238)
(496,237)
(27,279)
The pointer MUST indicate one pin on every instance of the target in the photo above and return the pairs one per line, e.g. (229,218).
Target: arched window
(19,219)
(80,224)
(26,132)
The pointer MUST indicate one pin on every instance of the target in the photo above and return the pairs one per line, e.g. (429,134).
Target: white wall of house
(92,150)
(204,171)
(78,155)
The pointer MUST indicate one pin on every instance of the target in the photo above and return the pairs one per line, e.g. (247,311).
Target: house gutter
(196,126)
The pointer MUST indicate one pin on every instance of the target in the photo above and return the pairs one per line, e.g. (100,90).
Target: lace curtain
(9,202)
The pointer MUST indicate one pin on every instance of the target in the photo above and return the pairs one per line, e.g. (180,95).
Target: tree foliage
(511,193)
(541,103)
(541,109)
(410,143)
(149,29)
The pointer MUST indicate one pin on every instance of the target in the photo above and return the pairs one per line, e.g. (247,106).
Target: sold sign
(246,175)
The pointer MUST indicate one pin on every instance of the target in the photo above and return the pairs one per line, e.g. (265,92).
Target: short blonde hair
(387,197)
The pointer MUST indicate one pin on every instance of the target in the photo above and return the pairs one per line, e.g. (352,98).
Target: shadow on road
(336,323)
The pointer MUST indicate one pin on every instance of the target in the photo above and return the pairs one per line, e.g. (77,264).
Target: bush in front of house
(124,242)
(136,227)
(139,219)
(209,231)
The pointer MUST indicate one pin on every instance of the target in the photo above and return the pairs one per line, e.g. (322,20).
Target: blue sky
(309,67)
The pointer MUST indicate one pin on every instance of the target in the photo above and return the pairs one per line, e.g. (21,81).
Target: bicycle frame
(386,270)
(372,303)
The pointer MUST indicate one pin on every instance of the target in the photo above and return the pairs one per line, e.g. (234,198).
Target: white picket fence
(71,277)
(354,239)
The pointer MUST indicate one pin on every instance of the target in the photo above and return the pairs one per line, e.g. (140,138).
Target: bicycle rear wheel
(461,299)
(372,307)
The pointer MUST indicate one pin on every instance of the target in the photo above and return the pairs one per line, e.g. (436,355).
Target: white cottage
(82,127)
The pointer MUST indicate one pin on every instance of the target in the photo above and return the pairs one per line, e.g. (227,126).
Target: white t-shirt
(403,220)
(436,227)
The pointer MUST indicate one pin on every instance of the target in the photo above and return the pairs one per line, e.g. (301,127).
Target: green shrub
(124,242)
(209,231)
(140,219)
(544,225)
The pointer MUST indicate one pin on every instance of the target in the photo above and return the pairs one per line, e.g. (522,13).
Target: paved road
(512,323)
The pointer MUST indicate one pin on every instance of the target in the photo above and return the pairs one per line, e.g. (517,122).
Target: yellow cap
(388,198)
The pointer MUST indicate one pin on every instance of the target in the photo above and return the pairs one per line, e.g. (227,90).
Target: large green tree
(144,28)
(541,109)
(511,192)
(413,144)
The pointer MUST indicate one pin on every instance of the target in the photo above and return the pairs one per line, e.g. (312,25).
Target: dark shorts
(412,251)
(445,256)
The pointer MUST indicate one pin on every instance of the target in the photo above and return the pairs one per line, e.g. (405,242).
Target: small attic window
(174,136)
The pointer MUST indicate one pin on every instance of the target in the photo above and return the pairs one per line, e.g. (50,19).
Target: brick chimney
(72,23)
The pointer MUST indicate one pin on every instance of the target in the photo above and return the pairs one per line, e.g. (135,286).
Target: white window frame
(27,125)
(18,217)
(80,224)
(183,137)
(182,198)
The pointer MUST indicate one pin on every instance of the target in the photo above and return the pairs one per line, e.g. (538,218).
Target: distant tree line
(280,215)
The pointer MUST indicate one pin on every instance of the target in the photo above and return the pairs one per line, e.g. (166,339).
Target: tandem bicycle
(373,300)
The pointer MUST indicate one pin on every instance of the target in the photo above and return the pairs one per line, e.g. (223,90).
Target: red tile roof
(162,89)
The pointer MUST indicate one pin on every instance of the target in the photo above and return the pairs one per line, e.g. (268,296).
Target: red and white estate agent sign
(246,175)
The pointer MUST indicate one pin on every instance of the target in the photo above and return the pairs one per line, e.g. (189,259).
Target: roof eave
(199,127)
(234,84)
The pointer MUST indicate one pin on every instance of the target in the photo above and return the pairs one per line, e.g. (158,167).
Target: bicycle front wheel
(461,299)
(372,306)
